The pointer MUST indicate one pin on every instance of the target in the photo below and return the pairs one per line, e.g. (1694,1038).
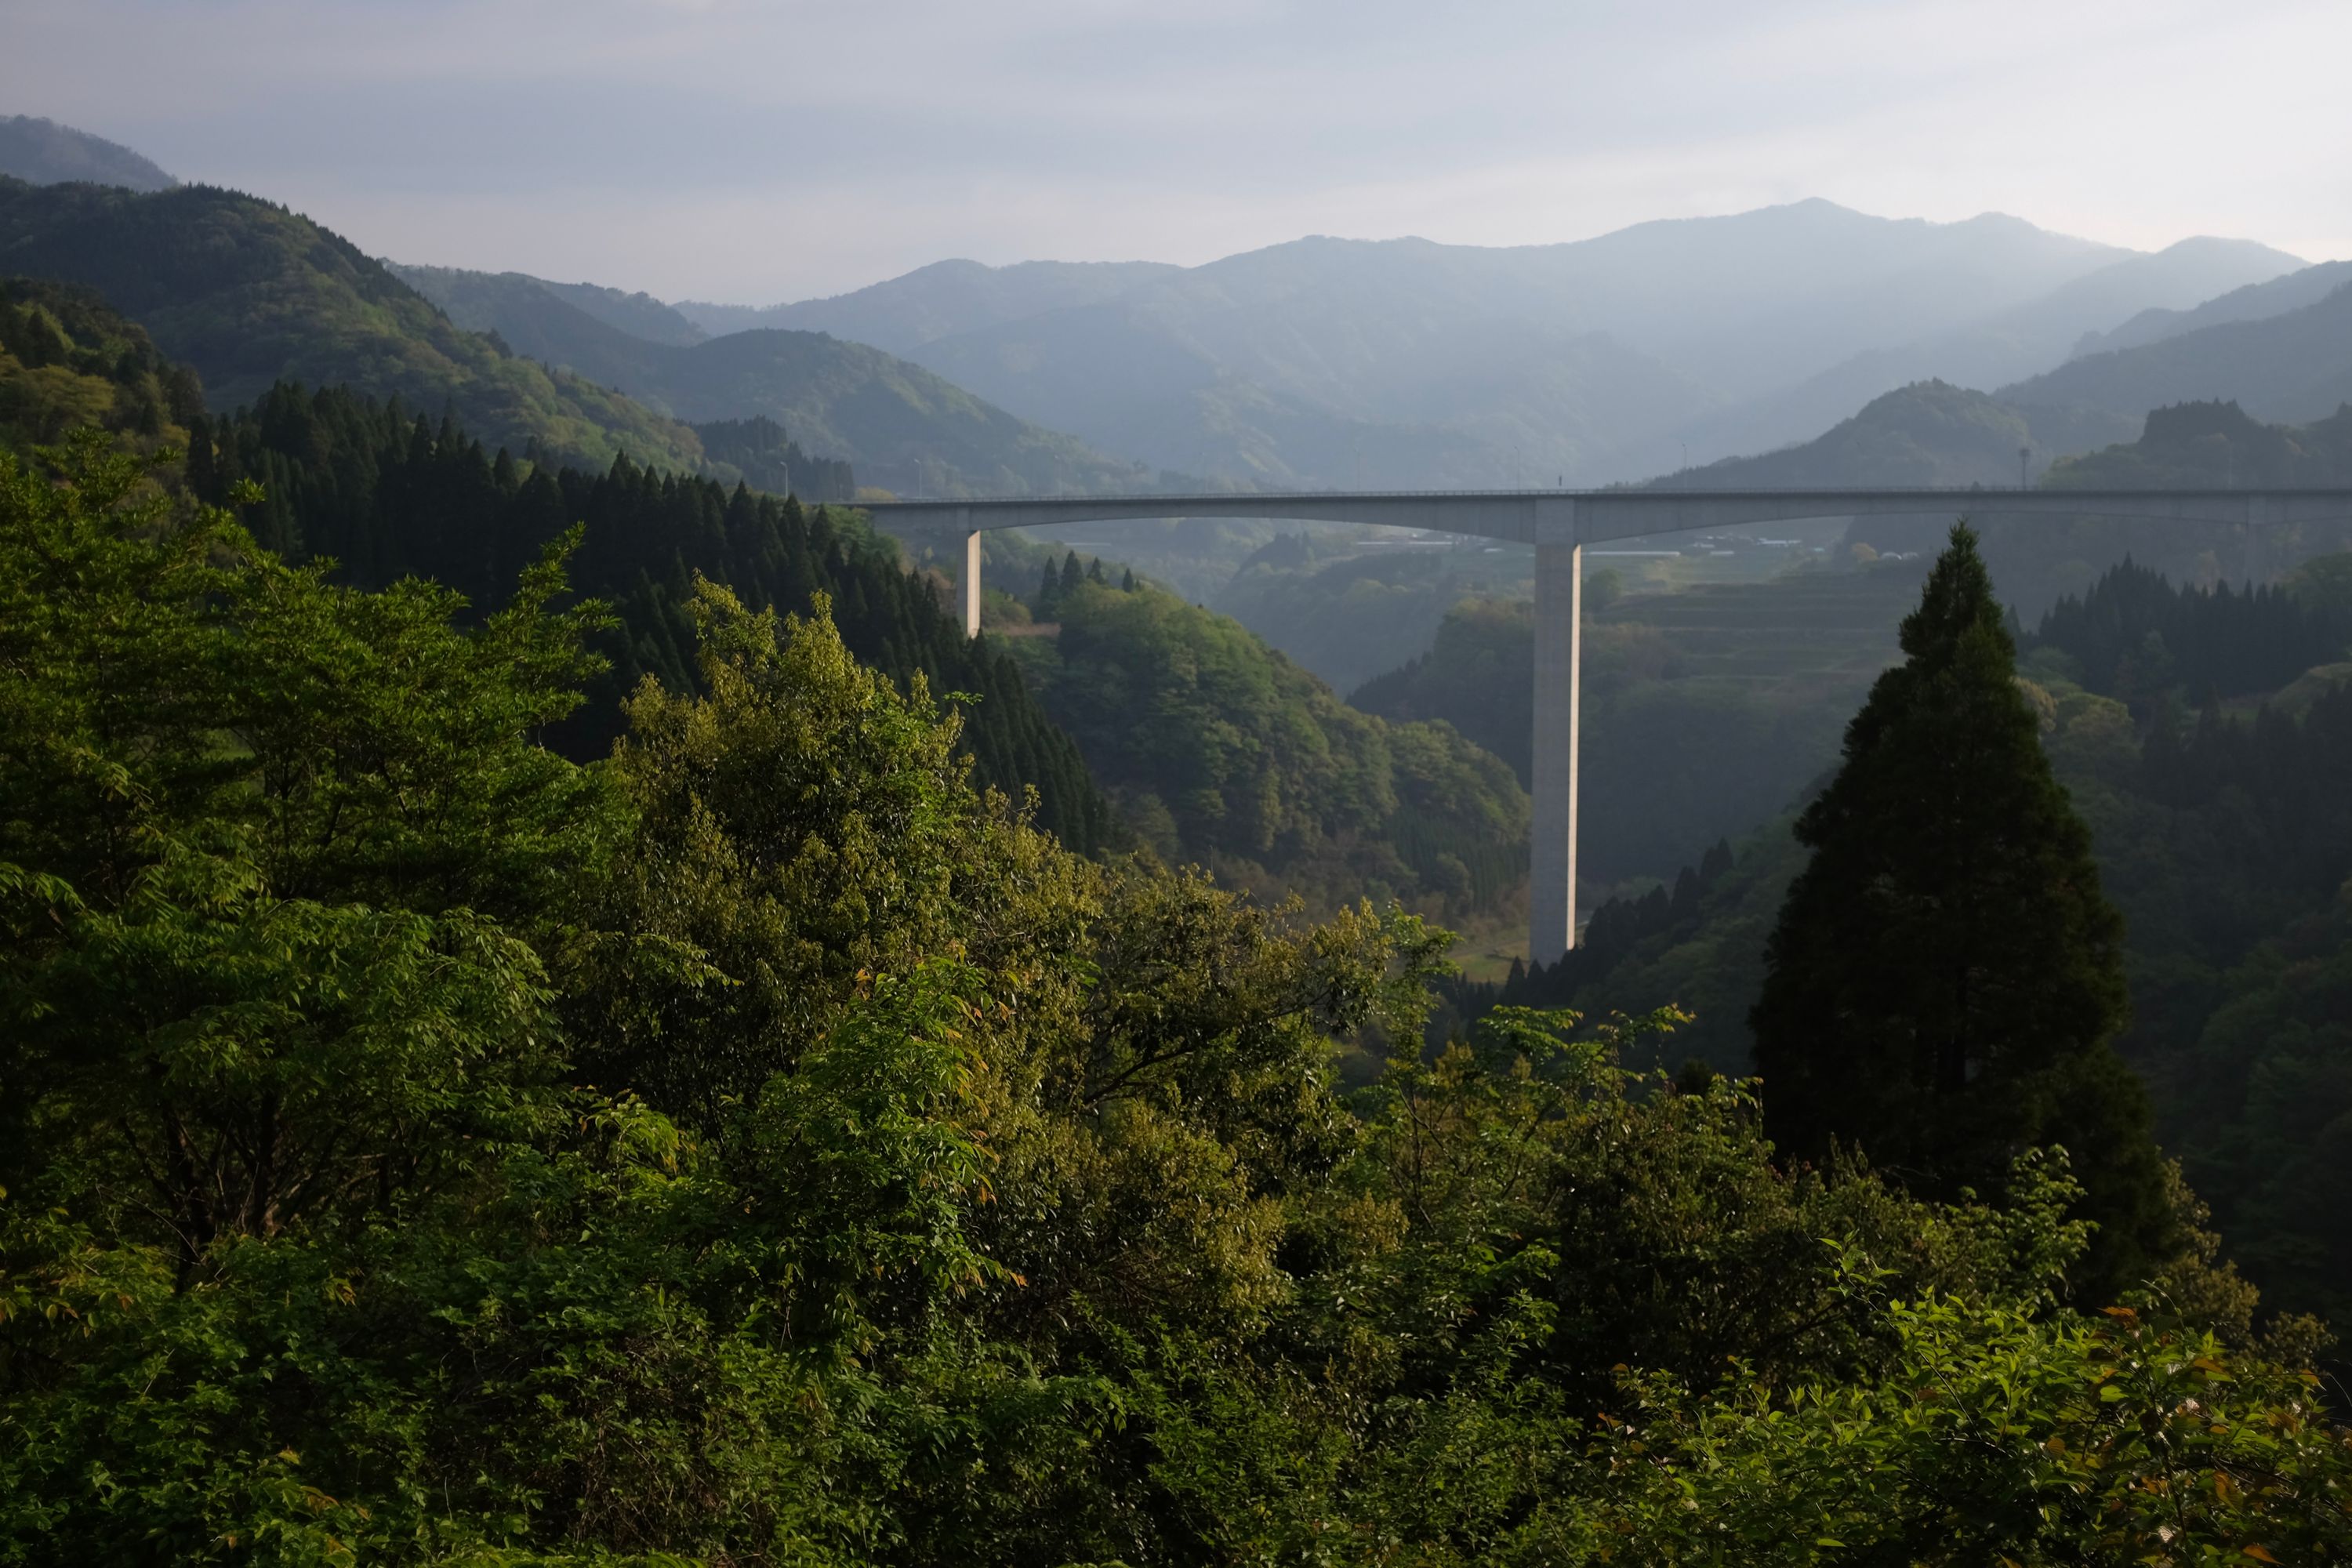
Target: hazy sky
(765,149)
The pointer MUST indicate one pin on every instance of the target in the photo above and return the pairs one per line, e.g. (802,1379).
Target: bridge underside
(1559,524)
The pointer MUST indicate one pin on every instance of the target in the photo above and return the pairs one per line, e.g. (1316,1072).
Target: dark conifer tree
(1947,976)
(203,474)
(376,488)
(1685,909)
(1072,573)
(1127,581)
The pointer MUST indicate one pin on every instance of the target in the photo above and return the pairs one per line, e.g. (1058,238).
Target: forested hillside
(65,361)
(1351,612)
(637,313)
(1222,751)
(389,494)
(2218,444)
(1937,435)
(2212,445)
(2224,836)
(902,426)
(249,294)
(1930,433)
(1705,712)
(768,460)
(763,1150)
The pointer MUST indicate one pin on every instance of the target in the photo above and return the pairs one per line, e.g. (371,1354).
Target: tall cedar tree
(1947,976)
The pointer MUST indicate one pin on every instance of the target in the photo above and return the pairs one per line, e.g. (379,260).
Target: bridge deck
(1594,517)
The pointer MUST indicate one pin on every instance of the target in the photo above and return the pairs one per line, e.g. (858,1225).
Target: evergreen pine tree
(1071,573)
(1095,572)
(1685,901)
(203,475)
(1947,976)
(1049,594)
(1127,581)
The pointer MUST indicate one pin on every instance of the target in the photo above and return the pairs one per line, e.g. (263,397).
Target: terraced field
(1833,626)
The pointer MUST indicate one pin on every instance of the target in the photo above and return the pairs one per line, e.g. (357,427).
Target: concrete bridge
(1559,525)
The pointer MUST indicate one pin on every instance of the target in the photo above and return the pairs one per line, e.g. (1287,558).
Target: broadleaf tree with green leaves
(765,1147)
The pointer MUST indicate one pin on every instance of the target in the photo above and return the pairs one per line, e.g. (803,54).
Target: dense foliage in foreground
(2225,837)
(762,1148)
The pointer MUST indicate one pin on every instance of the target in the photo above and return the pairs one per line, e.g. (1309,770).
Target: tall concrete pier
(1559,523)
(1560,700)
(971,581)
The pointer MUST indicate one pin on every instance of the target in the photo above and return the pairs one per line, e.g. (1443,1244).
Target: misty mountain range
(44,153)
(1330,362)
(1778,335)
(898,423)
(2292,367)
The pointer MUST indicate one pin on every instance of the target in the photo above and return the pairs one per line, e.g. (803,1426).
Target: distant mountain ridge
(250,294)
(934,301)
(2002,348)
(67,360)
(2218,444)
(900,426)
(2254,303)
(1326,361)
(2293,368)
(44,153)
(1927,434)
(639,314)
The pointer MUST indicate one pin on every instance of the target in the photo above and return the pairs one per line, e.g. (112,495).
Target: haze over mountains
(45,153)
(578,985)
(2005,346)
(1765,343)
(935,302)
(2254,303)
(250,294)
(1930,433)
(1341,362)
(2294,366)
(899,425)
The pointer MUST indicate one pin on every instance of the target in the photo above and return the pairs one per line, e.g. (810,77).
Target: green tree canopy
(764,1148)
(1947,976)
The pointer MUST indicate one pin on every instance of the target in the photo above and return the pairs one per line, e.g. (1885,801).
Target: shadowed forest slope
(249,294)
